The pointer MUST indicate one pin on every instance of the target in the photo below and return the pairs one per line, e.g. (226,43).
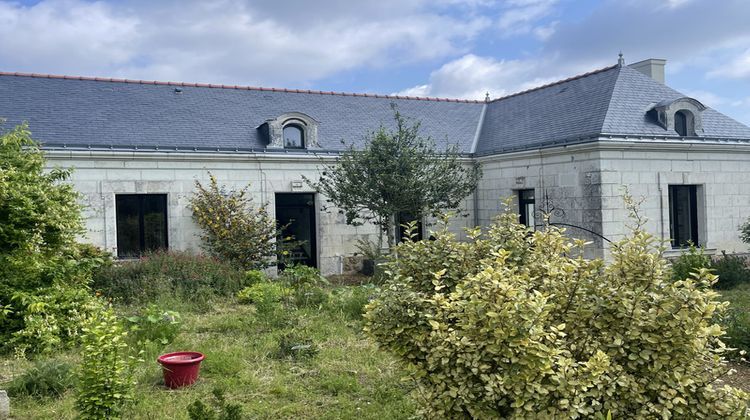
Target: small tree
(44,273)
(397,171)
(233,229)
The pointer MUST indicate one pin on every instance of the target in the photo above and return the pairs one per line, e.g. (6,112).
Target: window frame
(141,222)
(683,115)
(522,203)
(302,132)
(676,241)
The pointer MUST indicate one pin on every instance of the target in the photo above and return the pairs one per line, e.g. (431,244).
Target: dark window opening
(141,223)
(403,219)
(294,137)
(683,215)
(527,208)
(681,123)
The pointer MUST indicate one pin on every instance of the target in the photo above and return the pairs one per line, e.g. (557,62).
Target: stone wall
(722,174)
(566,183)
(101,175)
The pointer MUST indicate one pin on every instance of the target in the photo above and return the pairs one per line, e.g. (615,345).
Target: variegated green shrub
(515,324)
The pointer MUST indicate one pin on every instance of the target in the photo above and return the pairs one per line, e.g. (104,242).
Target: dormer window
(293,130)
(294,137)
(682,115)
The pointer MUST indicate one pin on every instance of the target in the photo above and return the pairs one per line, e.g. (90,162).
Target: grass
(348,377)
(737,319)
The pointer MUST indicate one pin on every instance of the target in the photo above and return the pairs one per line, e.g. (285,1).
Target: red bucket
(180,368)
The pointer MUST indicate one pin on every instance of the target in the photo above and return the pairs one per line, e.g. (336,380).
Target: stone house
(566,148)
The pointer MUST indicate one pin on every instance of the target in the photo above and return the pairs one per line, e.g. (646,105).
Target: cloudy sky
(445,48)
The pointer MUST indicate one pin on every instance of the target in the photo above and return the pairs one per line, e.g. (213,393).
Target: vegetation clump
(516,324)
(233,229)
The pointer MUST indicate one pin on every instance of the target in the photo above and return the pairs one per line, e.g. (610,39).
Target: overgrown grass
(346,377)
(737,320)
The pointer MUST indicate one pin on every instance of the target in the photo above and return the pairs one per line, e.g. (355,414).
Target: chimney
(653,68)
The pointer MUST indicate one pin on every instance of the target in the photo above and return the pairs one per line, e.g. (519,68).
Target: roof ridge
(236,87)
(559,82)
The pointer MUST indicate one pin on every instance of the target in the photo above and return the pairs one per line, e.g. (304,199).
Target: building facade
(567,149)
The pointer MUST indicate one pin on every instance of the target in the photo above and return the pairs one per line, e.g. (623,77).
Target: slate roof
(114,113)
(85,112)
(610,101)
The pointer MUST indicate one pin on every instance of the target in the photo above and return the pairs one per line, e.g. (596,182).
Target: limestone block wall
(566,181)
(99,176)
(721,172)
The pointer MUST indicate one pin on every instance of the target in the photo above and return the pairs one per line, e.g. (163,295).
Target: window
(526,207)
(141,223)
(683,215)
(294,137)
(681,123)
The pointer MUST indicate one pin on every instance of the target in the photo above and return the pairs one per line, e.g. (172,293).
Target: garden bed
(348,377)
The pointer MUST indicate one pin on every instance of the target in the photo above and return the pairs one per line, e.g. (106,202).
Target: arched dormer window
(294,136)
(293,130)
(683,115)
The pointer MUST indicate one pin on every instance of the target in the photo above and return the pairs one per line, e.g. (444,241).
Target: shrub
(105,381)
(690,262)
(161,275)
(297,276)
(255,276)
(220,409)
(154,325)
(732,271)
(512,325)
(265,296)
(44,273)
(745,231)
(233,230)
(47,378)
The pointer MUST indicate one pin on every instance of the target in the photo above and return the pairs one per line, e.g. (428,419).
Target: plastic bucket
(181,368)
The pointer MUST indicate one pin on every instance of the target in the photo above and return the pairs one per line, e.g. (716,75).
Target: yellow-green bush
(513,324)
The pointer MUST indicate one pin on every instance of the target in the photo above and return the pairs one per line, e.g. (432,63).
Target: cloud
(472,76)
(736,68)
(229,41)
(522,16)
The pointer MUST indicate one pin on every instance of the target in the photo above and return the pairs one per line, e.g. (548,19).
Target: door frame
(313,211)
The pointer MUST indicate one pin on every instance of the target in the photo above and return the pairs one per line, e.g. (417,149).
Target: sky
(439,48)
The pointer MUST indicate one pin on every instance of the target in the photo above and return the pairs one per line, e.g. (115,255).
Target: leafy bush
(265,296)
(511,325)
(169,274)
(44,273)
(690,262)
(220,409)
(296,346)
(105,381)
(255,276)
(154,325)
(233,230)
(745,231)
(732,271)
(297,276)
(47,378)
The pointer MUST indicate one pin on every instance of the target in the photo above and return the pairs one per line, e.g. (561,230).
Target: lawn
(347,378)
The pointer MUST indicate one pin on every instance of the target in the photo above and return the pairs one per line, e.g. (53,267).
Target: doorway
(296,211)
